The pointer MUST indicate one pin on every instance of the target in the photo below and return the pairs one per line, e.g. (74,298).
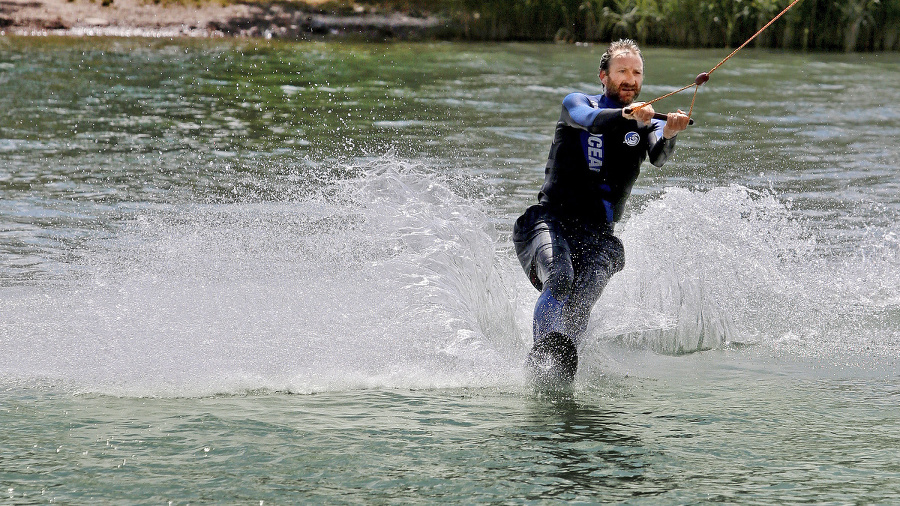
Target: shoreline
(139,18)
(312,20)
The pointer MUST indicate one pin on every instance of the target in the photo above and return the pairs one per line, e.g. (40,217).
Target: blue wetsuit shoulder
(594,113)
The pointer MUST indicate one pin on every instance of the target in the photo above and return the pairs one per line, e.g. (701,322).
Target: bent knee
(614,251)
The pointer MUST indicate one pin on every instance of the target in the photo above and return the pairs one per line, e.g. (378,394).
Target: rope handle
(656,115)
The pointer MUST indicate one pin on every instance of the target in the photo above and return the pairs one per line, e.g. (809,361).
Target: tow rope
(704,76)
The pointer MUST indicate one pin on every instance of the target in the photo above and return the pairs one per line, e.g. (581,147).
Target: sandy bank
(290,20)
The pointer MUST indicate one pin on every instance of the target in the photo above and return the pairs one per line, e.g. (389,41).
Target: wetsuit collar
(610,102)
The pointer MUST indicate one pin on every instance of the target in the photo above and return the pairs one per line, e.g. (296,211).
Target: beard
(615,92)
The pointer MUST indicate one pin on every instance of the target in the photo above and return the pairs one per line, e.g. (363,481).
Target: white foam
(386,279)
(394,276)
(733,265)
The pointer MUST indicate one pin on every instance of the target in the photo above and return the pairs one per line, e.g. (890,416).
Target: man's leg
(544,253)
(596,257)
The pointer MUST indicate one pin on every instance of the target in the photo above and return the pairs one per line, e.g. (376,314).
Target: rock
(96,22)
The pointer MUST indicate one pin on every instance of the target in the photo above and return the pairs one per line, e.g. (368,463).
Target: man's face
(624,78)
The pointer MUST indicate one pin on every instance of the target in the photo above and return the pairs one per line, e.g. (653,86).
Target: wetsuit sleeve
(660,147)
(578,112)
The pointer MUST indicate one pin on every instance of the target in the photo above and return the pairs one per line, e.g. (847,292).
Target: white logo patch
(632,139)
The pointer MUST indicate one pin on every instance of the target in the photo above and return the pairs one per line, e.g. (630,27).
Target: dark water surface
(247,271)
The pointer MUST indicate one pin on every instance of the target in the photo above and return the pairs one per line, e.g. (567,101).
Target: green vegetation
(829,25)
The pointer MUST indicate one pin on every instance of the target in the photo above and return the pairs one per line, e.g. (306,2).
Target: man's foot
(552,361)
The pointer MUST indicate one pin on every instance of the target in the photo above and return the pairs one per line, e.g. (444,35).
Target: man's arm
(661,148)
(578,112)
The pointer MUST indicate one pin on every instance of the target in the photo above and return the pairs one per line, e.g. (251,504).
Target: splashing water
(733,265)
(387,278)
(394,276)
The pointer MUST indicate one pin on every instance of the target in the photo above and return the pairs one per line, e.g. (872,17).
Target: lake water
(275,273)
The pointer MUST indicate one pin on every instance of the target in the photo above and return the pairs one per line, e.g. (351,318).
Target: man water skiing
(565,243)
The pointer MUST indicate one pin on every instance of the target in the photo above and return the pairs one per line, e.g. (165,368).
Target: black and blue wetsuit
(565,243)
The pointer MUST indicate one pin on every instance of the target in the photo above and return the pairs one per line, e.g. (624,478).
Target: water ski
(552,362)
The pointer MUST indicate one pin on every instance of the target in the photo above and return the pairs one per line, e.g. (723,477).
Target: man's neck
(613,102)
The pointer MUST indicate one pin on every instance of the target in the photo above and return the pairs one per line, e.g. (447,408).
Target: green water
(740,438)
(247,271)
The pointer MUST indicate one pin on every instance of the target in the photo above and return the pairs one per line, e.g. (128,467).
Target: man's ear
(603,76)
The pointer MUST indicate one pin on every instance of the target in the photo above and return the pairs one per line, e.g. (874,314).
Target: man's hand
(639,112)
(675,122)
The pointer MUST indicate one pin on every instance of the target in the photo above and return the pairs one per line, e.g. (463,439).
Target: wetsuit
(565,243)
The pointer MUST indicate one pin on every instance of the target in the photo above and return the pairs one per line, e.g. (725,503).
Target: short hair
(619,46)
